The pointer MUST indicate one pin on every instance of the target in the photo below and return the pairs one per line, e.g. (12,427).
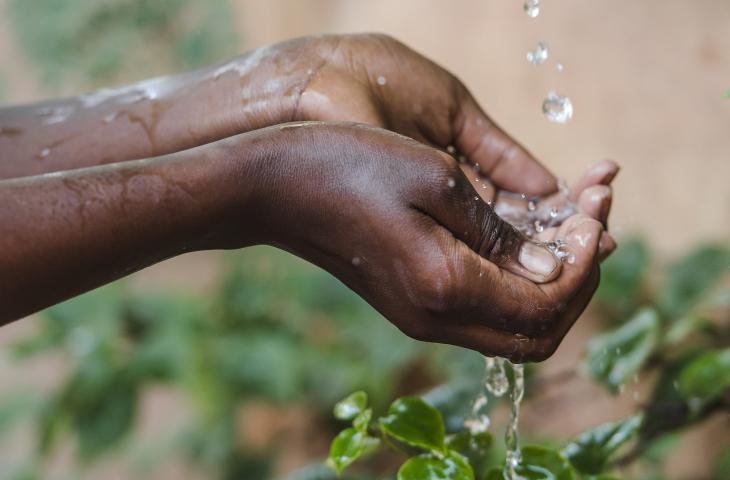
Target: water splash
(511,436)
(557,108)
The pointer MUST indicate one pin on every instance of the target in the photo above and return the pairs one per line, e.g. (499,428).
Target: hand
(401,225)
(377,80)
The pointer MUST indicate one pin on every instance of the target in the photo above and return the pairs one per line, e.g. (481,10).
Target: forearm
(150,118)
(65,233)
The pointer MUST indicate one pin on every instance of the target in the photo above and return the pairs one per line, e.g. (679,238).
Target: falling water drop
(532,8)
(539,55)
(557,108)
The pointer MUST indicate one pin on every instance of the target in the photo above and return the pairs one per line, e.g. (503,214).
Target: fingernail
(537,259)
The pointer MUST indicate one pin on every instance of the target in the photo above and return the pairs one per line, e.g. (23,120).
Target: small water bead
(557,108)
(532,8)
(539,227)
(553,212)
(531,205)
(44,153)
(356,261)
(560,67)
(451,183)
(382,80)
(539,55)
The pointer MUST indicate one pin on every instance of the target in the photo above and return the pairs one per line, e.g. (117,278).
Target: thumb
(473,221)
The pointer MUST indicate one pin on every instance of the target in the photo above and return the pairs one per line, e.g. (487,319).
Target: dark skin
(399,220)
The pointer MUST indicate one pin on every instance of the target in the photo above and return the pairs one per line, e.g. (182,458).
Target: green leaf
(538,463)
(413,421)
(691,277)
(591,451)
(615,356)
(705,378)
(430,467)
(347,447)
(622,276)
(352,406)
(362,421)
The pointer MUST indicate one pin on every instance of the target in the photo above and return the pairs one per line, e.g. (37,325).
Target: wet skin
(397,219)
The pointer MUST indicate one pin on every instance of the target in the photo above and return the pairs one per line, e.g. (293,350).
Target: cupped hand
(376,80)
(400,224)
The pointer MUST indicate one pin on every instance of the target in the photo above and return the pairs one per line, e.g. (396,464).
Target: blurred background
(227,365)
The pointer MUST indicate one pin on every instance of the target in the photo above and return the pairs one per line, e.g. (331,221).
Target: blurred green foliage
(276,329)
(93,41)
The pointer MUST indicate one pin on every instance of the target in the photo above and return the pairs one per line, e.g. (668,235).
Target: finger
(509,165)
(602,173)
(470,219)
(544,347)
(606,246)
(581,235)
(595,201)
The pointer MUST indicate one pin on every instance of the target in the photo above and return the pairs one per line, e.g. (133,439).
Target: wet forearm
(65,233)
(146,119)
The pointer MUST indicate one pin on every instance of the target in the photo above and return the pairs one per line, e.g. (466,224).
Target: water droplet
(382,80)
(557,108)
(451,183)
(553,212)
(539,55)
(476,198)
(560,67)
(571,259)
(531,205)
(44,153)
(356,261)
(451,149)
(532,8)
(539,227)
